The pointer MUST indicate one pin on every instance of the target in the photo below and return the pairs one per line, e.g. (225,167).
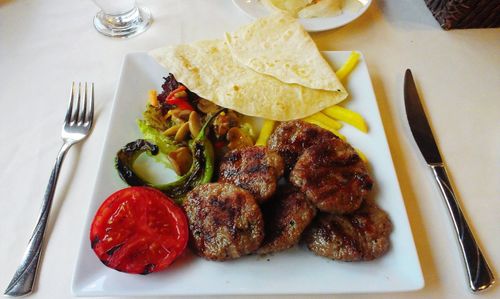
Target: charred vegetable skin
(198,174)
(201,170)
(126,157)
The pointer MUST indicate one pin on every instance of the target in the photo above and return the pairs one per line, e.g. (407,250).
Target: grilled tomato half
(139,230)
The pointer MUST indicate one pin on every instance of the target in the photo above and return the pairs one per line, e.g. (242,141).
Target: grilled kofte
(324,167)
(291,138)
(225,221)
(362,235)
(285,218)
(332,176)
(255,169)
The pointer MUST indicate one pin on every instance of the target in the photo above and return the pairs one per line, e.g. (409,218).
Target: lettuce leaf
(153,117)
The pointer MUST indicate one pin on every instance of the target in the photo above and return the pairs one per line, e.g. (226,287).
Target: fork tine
(90,113)
(74,116)
(81,116)
(67,119)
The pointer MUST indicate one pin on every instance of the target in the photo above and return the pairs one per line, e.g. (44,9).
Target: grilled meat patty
(254,168)
(225,221)
(363,235)
(285,218)
(332,176)
(291,138)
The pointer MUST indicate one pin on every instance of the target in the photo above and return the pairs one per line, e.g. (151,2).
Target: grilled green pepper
(201,170)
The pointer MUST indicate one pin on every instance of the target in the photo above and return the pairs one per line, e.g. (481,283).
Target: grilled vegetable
(139,230)
(348,65)
(153,98)
(351,117)
(265,132)
(201,170)
(321,117)
(165,144)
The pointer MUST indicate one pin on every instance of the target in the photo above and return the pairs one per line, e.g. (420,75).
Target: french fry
(324,126)
(351,117)
(348,66)
(153,98)
(321,117)
(265,132)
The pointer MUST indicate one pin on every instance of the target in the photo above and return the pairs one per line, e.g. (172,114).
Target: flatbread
(290,6)
(306,8)
(278,46)
(324,8)
(208,69)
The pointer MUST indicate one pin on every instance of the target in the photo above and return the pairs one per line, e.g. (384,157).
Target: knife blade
(419,125)
(479,273)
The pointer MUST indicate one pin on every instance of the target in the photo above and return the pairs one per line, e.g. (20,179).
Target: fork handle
(23,280)
(478,272)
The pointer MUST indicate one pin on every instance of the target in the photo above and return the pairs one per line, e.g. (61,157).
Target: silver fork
(77,125)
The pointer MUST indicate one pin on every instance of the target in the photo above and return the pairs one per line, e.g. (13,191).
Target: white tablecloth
(44,45)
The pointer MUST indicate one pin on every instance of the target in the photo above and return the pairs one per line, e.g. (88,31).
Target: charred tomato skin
(139,230)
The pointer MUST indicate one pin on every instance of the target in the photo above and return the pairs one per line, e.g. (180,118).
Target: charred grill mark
(366,181)
(258,168)
(94,242)
(290,139)
(344,162)
(332,176)
(232,157)
(148,269)
(255,169)
(125,158)
(198,169)
(362,235)
(259,155)
(220,217)
(113,249)
(285,218)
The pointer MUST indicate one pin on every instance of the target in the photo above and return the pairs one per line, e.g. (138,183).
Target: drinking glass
(121,18)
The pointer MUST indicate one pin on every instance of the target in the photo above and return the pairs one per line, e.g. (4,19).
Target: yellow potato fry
(326,120)
(351,117)
(324,126)
(153,98)
(348,66)
(265,132)
(361,155)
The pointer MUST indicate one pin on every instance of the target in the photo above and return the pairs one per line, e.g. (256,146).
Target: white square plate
(295,271)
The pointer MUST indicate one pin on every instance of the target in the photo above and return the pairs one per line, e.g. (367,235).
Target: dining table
(46,45)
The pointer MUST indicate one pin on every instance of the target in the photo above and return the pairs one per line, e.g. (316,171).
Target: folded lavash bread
(258,71)
(309,8)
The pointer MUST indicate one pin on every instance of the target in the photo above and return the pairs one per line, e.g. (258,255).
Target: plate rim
(419,281)
(309,24)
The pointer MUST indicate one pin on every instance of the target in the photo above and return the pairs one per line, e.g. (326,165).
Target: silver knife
(478,271)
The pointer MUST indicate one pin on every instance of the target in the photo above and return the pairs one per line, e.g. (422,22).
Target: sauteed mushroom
(238,139)
(224,122)
(181,160)
(206,106)
(200,171)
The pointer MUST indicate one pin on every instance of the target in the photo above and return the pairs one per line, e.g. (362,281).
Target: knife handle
(478,271)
